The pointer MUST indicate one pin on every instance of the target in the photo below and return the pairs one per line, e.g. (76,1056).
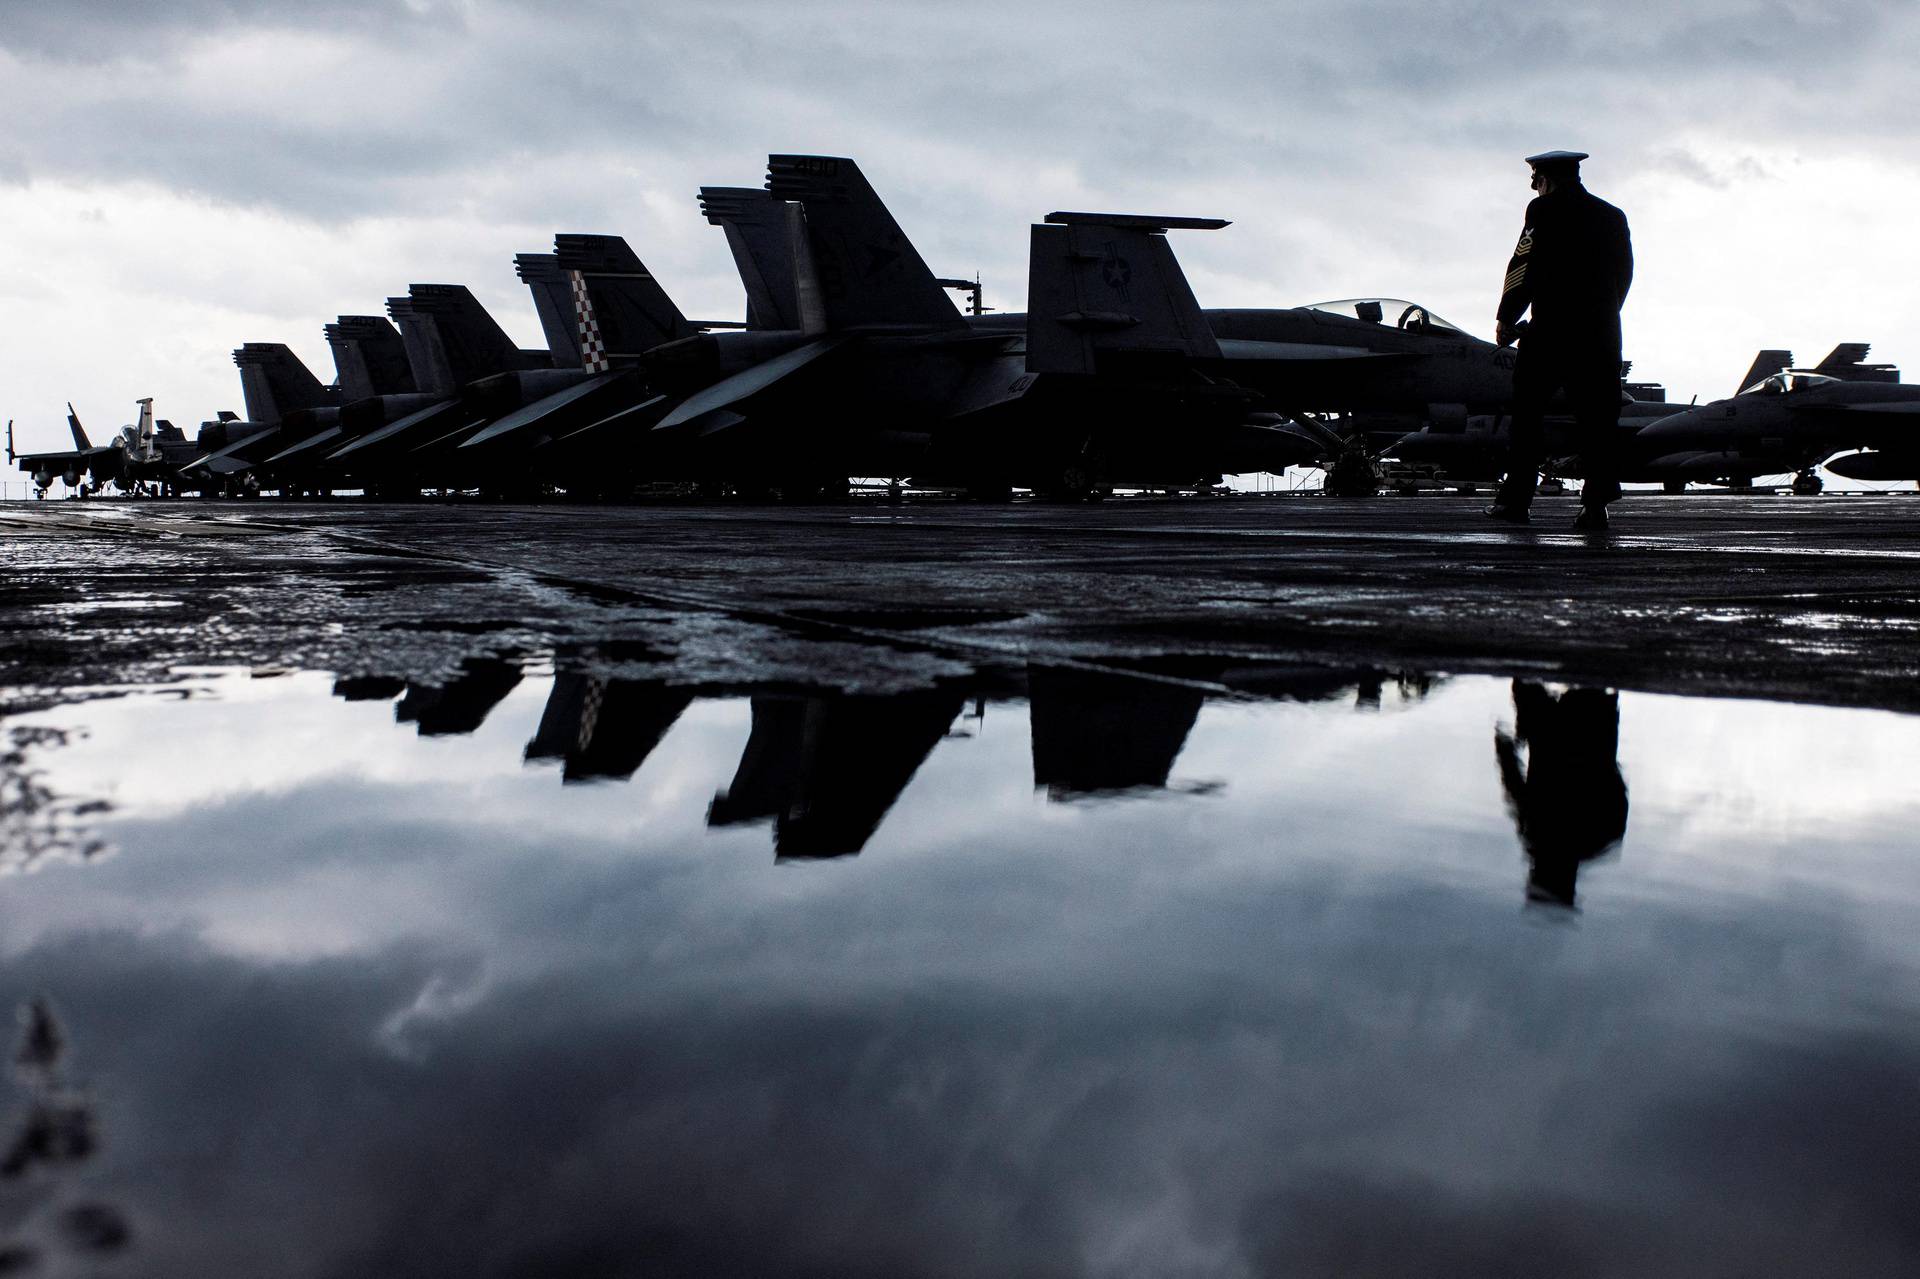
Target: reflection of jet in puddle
(368,688)
(1096,732)
(461,705)
(1568,800)
(604,728)
(827,769)
(1099,732)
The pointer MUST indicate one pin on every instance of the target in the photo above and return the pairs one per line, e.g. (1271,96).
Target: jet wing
(634,418)
(77,457)
(528,415)
(732,390)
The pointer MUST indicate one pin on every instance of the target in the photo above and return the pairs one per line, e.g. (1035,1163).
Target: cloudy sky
(177,179)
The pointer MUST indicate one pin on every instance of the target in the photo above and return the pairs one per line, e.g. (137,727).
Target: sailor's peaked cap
(1556,157)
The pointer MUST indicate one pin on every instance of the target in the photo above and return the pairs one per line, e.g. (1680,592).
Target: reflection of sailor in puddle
(41,1190)
(1568,800)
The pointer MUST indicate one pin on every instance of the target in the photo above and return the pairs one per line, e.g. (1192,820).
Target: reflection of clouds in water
(569,1027)
(1488,1117)
(37,821)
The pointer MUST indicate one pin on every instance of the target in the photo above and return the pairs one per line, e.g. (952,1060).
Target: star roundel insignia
(1117,272)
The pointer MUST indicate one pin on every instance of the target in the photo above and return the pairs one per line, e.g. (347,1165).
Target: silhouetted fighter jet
(601,728)
(827,769)
(391,379)
(274,384)
(1475,449)
(462,704)
(618,312)
(1095,732)
(103,462)
(886,377)
(1793,420)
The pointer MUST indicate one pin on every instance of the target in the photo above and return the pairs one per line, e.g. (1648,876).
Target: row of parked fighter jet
(854,360)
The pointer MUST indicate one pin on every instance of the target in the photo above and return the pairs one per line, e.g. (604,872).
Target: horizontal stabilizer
(1105,293)
(1137,222)
(528,414)
(433,413)
(235,456)
(635,418)
(708,425)
(732,390)
(314,446)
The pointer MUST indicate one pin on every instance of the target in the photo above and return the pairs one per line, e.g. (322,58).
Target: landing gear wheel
(1807,484)
(1074,484)
(1673,486)
(1352,475)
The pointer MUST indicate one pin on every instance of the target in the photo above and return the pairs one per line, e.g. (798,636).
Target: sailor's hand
(1504,333)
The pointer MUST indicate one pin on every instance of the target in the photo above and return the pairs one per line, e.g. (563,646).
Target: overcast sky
(177,179)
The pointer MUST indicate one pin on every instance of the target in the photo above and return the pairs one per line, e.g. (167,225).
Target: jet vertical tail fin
(1104,290)
(143,431)
(1847,362)
(79,432)
(473,341)
(1765,365)
(869,272)
(426,354)
(275,383)
(552,291)
(369,357)
(618,302)
(768,238)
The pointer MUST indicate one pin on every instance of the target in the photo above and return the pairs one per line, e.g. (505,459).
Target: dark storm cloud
(103,31)
(1148,98)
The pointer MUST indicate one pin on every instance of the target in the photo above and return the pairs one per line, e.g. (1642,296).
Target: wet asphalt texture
(1799,598)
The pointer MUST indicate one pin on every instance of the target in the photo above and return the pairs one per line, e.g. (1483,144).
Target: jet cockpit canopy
(1789,380)
(1398,312)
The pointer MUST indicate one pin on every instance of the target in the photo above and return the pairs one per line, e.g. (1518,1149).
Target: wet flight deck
(1260,886)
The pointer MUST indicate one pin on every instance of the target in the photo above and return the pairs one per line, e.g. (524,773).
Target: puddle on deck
(1059,973)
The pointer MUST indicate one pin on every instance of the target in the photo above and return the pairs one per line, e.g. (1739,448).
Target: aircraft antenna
(971,288)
